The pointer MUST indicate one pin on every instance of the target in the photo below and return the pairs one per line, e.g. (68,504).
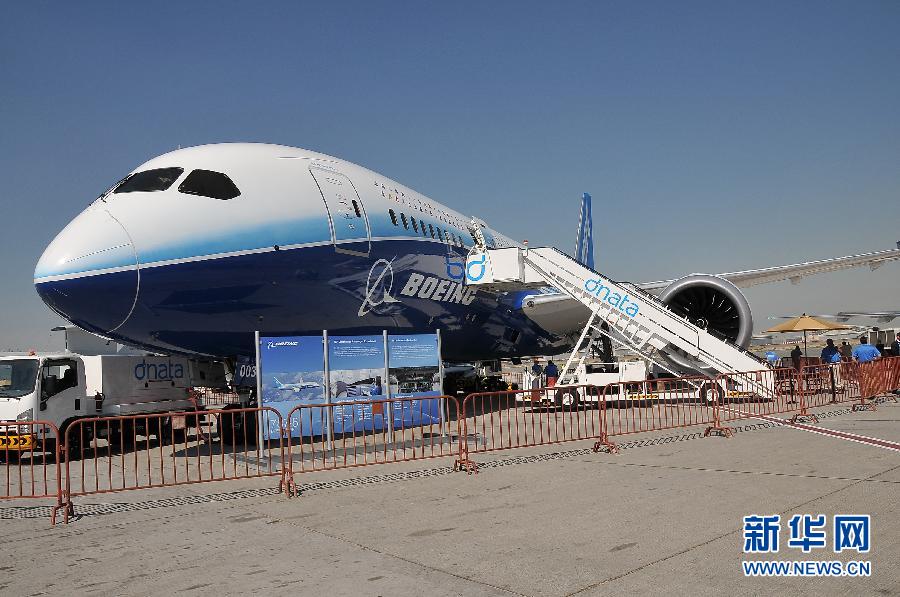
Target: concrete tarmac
(662,517)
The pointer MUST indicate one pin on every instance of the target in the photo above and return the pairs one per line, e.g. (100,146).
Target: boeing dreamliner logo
(379,291)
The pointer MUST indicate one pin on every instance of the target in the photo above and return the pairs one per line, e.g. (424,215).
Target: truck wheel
(75,443)
(711,394)
(74,447)
(567,398)
(122,436)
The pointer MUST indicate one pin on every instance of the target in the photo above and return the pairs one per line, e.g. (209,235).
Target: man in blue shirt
(552,373)
(831,354)
(865,352)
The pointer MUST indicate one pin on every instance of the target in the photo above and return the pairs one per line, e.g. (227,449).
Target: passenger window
(403,218)
(393,217)
(356,208)
(158,179)
(431,229)
(440,236)
(207,183)
(57,376)
(414,225)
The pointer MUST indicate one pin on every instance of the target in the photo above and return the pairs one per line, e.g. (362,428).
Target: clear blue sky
(713,136)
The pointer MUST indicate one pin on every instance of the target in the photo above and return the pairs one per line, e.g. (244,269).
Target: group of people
(551,371)
(862,353)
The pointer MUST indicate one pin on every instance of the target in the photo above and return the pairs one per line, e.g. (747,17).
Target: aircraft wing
(797,271)
(560,314)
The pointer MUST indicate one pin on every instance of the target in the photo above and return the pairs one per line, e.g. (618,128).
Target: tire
(122,436)
(74,443)
(75,448)
(711,393)
(567,398)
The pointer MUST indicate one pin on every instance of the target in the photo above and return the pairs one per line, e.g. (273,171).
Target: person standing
(865,352)
(552,374)
(795,357)
(895,346)
(846,351)
(830,354)
(536,373)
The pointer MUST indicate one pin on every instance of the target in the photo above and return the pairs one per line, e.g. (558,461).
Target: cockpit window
(158,179)
(207,183)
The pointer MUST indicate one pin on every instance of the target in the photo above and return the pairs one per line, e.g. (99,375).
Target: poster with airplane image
(414,371)
(356,374)
(292,373)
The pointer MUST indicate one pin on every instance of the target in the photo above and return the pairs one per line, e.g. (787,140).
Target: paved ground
(663,516)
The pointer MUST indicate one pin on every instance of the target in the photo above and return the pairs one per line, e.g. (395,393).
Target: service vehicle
(64,387)
(631,381)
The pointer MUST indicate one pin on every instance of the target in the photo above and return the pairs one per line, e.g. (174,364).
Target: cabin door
(350,231)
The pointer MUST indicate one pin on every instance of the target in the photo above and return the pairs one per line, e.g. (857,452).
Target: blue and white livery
(197,249)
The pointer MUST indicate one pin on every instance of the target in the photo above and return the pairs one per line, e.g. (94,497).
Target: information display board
(292,372)
(334,370)
(414,371)
(355,373)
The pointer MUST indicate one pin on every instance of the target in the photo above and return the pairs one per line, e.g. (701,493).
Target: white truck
(61,388)
(627,381)
(623,380)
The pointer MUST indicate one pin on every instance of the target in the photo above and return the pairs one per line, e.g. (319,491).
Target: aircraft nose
(89,272)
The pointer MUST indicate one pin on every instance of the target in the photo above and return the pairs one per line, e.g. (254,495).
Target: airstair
(635,318)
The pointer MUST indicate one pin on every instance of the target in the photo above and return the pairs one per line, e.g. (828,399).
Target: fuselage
(199,248)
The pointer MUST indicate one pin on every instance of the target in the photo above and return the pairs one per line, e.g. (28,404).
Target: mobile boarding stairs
(634,317)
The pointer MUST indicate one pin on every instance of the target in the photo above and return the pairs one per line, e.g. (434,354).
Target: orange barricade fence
(366,432)
(658,404)
(525,418)
(112,454)
(758,394)
(829,383)
(876,378)
(31,468)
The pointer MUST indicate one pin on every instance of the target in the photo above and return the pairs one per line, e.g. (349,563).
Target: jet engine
(713,304)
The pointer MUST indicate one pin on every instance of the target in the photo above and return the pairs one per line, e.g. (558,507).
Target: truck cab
(47,388)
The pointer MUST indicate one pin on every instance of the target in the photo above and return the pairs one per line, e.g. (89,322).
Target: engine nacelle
(711,303)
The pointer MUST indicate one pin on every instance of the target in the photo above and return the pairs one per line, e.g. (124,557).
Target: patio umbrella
(807,323)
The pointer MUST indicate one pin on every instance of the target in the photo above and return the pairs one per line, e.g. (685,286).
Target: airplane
(197,249)
(296,387)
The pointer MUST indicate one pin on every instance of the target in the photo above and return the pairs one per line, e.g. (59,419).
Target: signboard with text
(297,370)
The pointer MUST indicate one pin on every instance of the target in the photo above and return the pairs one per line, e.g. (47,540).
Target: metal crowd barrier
(507,420)
(351,434)
(113,454)
(658,404)
(31,468)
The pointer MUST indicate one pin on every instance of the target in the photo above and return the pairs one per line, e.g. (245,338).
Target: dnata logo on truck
(602,292)
(167,371)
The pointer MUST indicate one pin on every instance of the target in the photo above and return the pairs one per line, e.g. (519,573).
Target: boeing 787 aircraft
(295,387)
(197,249)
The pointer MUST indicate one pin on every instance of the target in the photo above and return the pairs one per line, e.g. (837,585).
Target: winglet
(584,243)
